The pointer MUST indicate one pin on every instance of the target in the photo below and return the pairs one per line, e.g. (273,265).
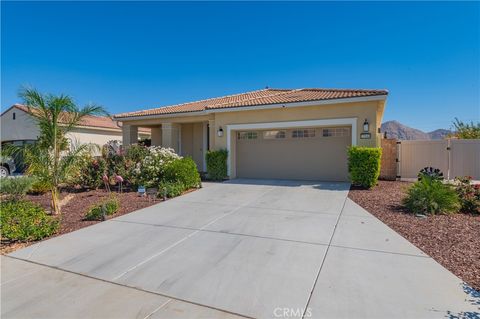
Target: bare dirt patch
(452,240)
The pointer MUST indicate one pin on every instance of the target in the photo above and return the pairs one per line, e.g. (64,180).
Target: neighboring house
(18,127)
(270,133)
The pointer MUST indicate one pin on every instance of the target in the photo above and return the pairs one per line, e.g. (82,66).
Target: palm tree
(53,159)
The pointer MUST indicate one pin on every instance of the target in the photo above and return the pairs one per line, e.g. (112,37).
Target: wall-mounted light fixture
(366,126)
(220,132)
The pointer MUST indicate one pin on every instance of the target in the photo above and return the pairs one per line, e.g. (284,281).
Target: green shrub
(91,172)
(16,186)
(23,220)
(431,196)
(217,164)
(171,189)
(364,165)
(39,187)
(182,171)
(111,207)
(468,194)
(136,153)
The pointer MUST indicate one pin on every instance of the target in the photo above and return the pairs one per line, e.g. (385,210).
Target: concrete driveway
(253,248)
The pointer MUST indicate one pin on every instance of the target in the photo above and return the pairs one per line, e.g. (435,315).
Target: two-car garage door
(311,153)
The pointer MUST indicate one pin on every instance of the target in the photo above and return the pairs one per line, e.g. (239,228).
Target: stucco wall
(360,110)
(156,135)
(25,128)
(192,142)
(22,128)
(99,137)
(370,110)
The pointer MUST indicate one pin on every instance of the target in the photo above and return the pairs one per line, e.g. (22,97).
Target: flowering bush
(153,166)
(469,195)
(150,170)
(91,172)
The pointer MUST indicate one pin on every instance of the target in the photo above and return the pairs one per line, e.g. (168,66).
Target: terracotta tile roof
(92,121)
(256,98)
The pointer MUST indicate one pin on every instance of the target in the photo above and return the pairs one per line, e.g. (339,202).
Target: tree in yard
(53,159)
(466,130)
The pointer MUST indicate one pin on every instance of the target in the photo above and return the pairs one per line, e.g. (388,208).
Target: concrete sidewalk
(261,249)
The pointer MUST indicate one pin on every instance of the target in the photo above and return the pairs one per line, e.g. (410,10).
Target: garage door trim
(352,121)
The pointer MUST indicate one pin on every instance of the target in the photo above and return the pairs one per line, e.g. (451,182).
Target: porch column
(129,134)
(212,134)
(157,136)
(171,136)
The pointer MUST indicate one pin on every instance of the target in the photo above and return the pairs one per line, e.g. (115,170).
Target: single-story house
(18,127)
(269,133)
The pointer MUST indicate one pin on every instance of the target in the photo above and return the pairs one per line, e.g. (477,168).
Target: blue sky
(129,56)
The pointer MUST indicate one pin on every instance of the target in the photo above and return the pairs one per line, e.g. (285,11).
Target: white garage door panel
(307,158)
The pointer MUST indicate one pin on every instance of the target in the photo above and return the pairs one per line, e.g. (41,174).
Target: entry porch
(186,138)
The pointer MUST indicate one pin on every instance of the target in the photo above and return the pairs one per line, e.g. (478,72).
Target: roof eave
(378,97)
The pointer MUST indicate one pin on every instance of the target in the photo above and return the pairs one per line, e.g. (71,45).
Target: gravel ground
(74,208)
(452,240)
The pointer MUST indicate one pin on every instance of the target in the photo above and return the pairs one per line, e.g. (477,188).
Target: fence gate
(453,157)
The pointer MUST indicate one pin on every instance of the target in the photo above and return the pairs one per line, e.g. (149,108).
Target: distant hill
(399,131)
(439,134)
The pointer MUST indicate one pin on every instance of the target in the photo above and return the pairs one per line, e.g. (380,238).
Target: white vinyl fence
(452,156)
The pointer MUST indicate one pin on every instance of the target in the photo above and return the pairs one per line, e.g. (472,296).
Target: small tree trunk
(54,203)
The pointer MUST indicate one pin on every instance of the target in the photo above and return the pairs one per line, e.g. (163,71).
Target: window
(336,131)
(270,135)
(14,115)
(247,135)
(308,132)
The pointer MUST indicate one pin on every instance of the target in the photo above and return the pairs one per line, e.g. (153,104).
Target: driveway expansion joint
(156,310)
(259,207)
(381,251)
(190,235)
(127,286)
(324,258)
(220,232)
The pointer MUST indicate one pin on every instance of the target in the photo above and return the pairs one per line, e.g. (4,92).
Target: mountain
(399,131)
(439,134)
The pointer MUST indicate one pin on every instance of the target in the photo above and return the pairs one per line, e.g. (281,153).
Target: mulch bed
(452,240)
(75,207)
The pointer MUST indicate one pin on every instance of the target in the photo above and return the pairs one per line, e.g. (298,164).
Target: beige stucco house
(19,127)
(270,133)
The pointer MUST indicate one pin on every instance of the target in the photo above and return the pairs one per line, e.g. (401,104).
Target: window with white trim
(307,132)
(271,135)
(247,135)
(336,132)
